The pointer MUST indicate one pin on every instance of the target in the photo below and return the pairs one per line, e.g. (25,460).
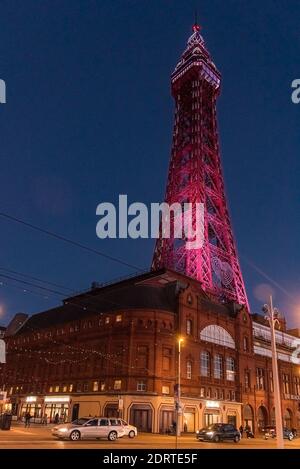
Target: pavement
(38,437)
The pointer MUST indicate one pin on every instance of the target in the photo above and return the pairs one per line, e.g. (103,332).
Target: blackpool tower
(195,176)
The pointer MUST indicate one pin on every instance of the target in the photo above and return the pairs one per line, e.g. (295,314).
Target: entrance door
(141,419)
(75,412)
(167,419)
(189,422)
(231,419)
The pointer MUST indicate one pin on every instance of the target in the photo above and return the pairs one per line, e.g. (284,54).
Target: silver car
(130,430)
(87,428)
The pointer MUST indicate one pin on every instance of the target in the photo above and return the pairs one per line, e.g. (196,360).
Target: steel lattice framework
(195,175)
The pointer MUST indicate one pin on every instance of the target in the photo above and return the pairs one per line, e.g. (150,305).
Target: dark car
(219,432)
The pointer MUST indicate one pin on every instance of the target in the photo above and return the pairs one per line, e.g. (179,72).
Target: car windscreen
(80,421)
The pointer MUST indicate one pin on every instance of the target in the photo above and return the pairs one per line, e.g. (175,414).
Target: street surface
(36,437)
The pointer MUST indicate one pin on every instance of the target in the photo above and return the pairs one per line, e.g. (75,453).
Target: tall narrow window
(247,379)
(271,382)
(260,378)
(189,369)
(218,366)
(189,327)
(286,383)
(205,364)
(230,369)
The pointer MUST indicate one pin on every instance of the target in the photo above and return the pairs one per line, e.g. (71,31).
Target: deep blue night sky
(89,116)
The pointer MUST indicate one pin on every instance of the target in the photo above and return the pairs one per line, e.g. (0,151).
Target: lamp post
(271,316)
(178,407)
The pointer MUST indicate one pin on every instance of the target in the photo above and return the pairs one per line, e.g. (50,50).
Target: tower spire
(196,25)
(195,177)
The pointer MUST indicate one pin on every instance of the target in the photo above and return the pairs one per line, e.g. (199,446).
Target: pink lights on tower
(195,176)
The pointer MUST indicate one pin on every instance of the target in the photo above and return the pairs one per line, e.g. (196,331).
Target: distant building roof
(128,294)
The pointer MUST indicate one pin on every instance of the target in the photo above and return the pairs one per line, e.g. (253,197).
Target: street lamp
(178,406)
(271,316)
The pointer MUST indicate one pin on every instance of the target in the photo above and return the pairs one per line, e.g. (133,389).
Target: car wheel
(216,438)
(112,436)
(236,439)
(131,434)
(75,435)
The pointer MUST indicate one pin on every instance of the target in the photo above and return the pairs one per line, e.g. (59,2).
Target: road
(36,437)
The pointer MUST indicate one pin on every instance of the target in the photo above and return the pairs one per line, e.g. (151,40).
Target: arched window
(205,364)
(217,335)
(218,366)
(189,327)
(189,369)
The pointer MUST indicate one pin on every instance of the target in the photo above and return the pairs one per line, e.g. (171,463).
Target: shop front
(212,413)
(57,408)
(5,403)
(32,405)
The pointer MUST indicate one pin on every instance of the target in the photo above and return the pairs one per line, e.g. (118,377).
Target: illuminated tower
(195,175)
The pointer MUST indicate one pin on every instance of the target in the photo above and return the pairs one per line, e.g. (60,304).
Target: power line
(37,279)
(67,240)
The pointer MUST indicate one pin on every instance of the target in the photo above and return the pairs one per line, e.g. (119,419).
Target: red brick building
(114,351)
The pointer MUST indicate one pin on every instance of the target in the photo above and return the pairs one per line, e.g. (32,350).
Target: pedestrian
(56,418)
(45,419)
(248,431)
(185,427)
(27,419)
(241,431)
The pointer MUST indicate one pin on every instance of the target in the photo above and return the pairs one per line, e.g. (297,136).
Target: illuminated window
(70,387)
(205,364)
(217,335)
(247,379)
(245,344)
(260,378)
(202,392)
(117,384)
(165,390)
(189,369)
(297,385)
(286,383)
(64,389)
(218,366)
(102,386)
(189,326)
(56,388)
(119,318)
(51,389)
(230,369)
(95,386)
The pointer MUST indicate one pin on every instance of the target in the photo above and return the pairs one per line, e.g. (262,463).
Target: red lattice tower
(195,175)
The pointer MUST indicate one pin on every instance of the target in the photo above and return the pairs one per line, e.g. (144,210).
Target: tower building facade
(195,177)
